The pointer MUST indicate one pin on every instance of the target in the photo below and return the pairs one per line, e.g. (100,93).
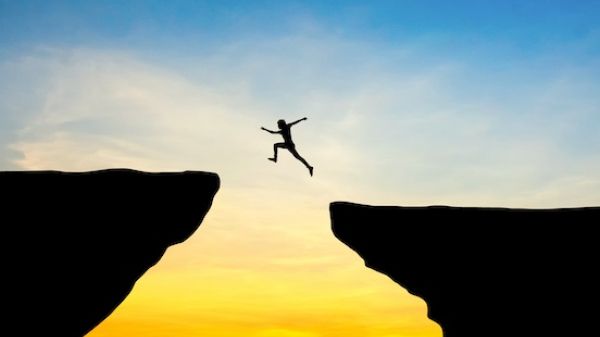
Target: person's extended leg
(299,157)
(275,146)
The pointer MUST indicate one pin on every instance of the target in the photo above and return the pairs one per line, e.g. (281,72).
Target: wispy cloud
(383,125)
(390,122)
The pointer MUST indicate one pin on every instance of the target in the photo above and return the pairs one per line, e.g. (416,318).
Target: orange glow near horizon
(247,274)
(465,103)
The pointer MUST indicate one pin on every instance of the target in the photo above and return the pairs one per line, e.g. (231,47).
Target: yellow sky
(264,262)
(262,271)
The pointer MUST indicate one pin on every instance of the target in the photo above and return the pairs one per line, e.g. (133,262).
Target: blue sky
(456,96)
(529,25)
(463,103)
(479,31)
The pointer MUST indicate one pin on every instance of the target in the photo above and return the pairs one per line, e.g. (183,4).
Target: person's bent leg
(275,146)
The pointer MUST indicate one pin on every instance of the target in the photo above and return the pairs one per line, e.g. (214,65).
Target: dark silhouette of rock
(485,271)
(74,244)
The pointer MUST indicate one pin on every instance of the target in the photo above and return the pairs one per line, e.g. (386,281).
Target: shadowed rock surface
(76,243)
(485,271)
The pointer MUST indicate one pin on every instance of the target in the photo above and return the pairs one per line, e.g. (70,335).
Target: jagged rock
(485,271)
(76,243)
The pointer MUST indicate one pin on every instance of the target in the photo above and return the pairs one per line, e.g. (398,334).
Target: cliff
(485,271)
(74,244)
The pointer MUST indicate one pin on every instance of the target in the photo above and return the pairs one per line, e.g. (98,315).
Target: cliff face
(74,244)
(485,271)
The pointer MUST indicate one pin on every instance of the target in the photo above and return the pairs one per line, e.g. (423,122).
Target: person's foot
(273,159)
(310,169)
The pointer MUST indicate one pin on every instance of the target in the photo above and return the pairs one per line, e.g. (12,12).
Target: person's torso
(287,135)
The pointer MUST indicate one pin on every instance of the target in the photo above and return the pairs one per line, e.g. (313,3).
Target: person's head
(281,123)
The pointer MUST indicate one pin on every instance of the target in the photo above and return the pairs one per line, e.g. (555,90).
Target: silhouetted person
(285,132)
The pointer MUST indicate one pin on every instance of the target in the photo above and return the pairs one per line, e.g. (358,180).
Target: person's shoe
(272,159)
(310,169)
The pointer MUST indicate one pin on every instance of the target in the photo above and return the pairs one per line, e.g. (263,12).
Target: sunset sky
(464,103)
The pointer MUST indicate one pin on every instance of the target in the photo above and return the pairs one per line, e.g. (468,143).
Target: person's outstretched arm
(298,121)
(269,131)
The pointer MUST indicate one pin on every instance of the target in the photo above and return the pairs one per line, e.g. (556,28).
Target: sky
(462,103)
